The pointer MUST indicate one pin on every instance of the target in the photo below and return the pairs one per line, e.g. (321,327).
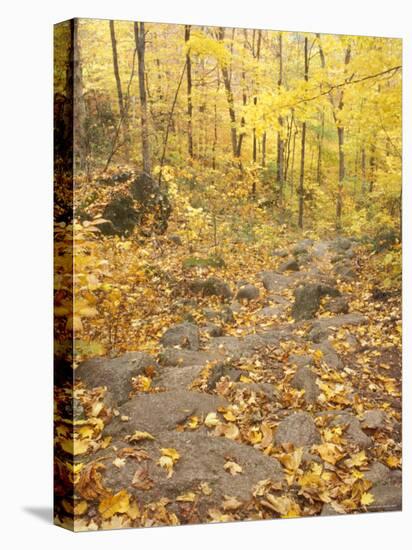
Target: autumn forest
(228,212)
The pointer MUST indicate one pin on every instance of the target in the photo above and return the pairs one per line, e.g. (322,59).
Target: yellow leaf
(114,504)
(119,462)
(211,420)
(186,497)
(329,452)
(366,499)
(205,488)
(233,468)
(139,436)
(172,453)
(229,416)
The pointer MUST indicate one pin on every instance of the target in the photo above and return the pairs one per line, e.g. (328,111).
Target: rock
(225,314)
(305,379)
(339,321)
(342,243)
(353,431)
(320,249)
(212,330)
(345,271)
(185,358)
(300,248)
(222,370)
(330,357)
(160,412)
(269,311)
(176,378)
(274,281)
(318,334)
(307,299)
(280,253)
(378,473)
(247,292)
(304,259)
(211,286)
(387,497)
(202,460)
(374,419)
(301,360)
(268,390)
(328,510)
(121,216)
(291,265)
(176,239)
(298,429)
(116,374)
(185,335)
(338,305)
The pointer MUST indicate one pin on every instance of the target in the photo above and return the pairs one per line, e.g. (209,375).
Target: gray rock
(374,419)
(211,286)
(378,473)
(307,299)
(339,321)
(202,460)
(338,305)
(259,387)
(185,335)
(328,510)
(210,329)
(345,271)
(353,431)
(177,378)
(298,429)
(225,314)
(116,374)
(247,292)
(222,370)
(270,311)
(320,249)
(176,239)
(174,357)
(280,253)
(387,498)
(330,357)
(305,379)
(301,360)
(160,412)
(274,281)
(291,265)
(342,243)
(300,248)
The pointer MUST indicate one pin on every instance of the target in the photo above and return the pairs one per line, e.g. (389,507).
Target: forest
(228,229)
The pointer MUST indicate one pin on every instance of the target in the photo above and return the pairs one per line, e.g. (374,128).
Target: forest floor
(246,398)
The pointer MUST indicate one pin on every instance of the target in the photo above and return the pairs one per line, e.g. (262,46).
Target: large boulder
(212,286)
(247,292)
(305,379)
(298,429)
(352,430)
(176,378)
(344,270)
(275,281)
(290,265)
(338,305)
(184,335)
(200,469)
(174,357)
(164,411)
(121,216)
(307,299)
(354,318)
(116,374)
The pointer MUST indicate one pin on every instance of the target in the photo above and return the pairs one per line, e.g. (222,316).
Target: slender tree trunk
(257,56)
(79,106)
(189,94)
(281,144)
(264,149)
(363,168)
(341,141)
(302,150)
(372,165)
(120,99)
(140,40)
(292,166)
(230,100)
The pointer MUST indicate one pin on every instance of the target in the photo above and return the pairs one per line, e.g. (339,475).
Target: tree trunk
(264,149)
(189,93)
(120,99)
(139,34)
(302,150)
(230,100)
(257,56)
(79,106)
(280,147)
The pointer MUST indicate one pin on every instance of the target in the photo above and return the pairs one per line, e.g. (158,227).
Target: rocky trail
(281,399)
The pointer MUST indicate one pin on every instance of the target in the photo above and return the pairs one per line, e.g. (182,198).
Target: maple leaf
(138,436)
(233,468)
(114,504)
(366,499)
(141,479)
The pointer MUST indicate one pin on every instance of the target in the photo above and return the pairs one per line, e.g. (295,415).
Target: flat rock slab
(202,460)
(339,321)
(299,429)
(175,378)
(185,358)
(116,374)
(159,412)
